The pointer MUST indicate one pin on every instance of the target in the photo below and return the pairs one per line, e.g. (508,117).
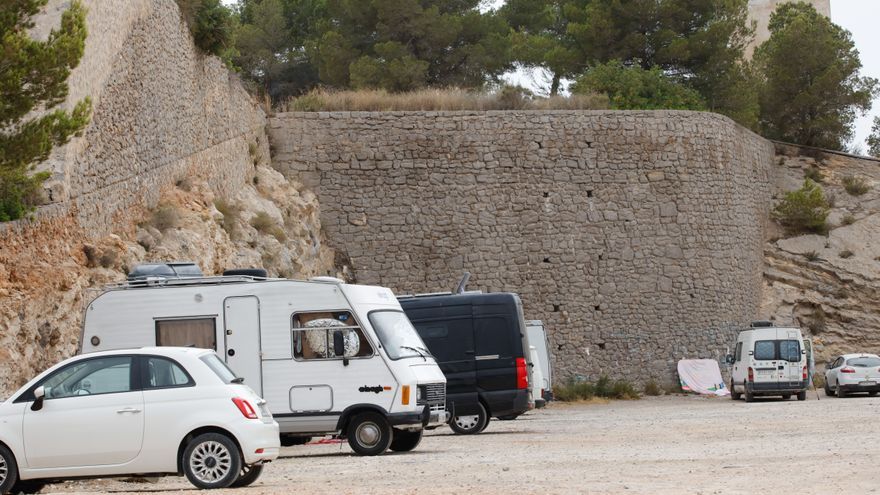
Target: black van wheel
(733,393)
(8,470)
(750,396)
(212,461)
(249,474)
(406,440)
(470,424)
(509,417)
(369,434)
(786,396)
(802,395)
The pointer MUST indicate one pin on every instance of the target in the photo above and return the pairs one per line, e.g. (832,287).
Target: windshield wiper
(414,349)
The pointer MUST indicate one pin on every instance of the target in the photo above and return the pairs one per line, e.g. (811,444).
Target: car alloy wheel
(4,470)
(210,462)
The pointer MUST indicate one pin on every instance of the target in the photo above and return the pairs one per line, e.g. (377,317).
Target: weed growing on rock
(814,174)
(811,256)
(651,388)
(847,220)
(604,387)
(231,213)
(845,254)
(109,258)
(166,217)
(804,210)
(856,186)
(818,321)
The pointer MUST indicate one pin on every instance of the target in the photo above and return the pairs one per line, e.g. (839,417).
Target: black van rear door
(493,340)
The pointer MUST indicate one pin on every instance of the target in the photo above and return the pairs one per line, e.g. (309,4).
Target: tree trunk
(554,87)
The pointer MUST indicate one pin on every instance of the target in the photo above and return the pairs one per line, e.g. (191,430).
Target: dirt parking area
(667,445)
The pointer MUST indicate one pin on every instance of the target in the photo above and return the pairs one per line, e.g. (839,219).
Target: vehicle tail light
(247,410)
(404,395)
(805,373)
(751,374)
(259,451)
(847,370)
(522,374)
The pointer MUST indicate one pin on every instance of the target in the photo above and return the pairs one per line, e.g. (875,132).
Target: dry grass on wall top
(508,98)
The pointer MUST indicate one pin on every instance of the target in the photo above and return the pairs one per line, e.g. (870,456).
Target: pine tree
(873,140)
(812,89)
(34,79)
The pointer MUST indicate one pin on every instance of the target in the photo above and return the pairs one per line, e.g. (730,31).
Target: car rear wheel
(841,393)
(509,417)
(369,434)
(786,396)
(802,395)
(406,440)
(8,470)
(249,474)
(750,396)
(471,423)
(212,461)
(828,391)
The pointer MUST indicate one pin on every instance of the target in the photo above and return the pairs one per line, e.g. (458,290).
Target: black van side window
(449,340)
(492,336)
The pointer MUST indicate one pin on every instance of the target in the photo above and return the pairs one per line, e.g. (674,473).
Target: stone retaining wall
(635,236)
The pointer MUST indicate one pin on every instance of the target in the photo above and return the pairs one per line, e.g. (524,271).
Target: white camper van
(329,357)
(769,360)
(538,339)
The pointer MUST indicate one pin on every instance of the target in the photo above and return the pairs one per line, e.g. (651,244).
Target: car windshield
(220,368)
(397,334)
(864,362)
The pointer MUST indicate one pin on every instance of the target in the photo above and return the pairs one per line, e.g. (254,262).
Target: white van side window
(313,335)
(187,332)
(739,351)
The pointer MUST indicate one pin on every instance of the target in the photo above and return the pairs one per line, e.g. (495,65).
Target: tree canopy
(873,140)
(33,83)
(811,89)
(635,88)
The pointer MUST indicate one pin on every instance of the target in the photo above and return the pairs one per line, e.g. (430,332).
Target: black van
(479,340)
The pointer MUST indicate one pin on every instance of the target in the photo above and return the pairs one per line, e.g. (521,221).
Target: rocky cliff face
(174,166)
(828,285)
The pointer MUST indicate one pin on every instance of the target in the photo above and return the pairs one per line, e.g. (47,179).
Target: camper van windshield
(397,334)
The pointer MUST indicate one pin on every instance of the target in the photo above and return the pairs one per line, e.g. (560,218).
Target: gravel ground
(666,445)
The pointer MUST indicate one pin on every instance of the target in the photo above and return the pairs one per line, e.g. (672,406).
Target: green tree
(632,88)
(812,89)
(540,37)
(272,40)
(211,24)
(804,210)
(405,44)
(873,140)
(33,82)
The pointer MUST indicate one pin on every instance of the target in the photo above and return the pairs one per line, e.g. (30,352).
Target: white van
(538,339)
(537,378)
(329,357)
(769,360)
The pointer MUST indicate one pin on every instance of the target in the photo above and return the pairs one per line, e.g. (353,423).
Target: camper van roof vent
(327,280)
(762,324)
(174,269)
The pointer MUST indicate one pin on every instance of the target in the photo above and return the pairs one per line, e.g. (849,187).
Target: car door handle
(128,410)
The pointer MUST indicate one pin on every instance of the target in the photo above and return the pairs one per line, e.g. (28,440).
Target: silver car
(851,373)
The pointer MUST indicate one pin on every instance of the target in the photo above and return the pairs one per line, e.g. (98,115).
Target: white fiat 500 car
(853,373)
(152,411)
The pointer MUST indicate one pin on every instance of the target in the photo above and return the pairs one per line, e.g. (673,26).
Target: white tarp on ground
(702,376)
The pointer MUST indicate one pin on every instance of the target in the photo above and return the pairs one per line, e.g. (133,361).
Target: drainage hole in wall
(602,346)
(597,308)
(589,193)
(556,308)
(546,260)
(546,195)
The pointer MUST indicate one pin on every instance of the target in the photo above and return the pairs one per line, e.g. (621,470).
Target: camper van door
(242,329)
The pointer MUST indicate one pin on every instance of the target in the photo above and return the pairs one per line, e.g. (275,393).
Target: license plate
(868,384)
(765,372)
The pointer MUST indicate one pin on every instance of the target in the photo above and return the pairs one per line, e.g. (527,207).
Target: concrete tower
(760,11)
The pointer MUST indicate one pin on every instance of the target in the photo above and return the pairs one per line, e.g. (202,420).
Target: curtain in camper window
(187,333)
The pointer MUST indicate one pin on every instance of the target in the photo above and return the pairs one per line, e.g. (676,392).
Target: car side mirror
(729,359)
(39,397)
(339,346)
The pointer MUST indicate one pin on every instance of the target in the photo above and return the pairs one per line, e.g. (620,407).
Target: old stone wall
(636,236)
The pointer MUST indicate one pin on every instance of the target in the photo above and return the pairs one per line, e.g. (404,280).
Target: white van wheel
(471,423)
(733,393)
(369,434)
(750,396)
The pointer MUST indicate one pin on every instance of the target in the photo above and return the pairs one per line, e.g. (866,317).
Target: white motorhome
(769,360)
(538,339)
(329,357)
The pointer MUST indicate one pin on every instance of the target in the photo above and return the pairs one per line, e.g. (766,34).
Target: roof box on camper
(182,269)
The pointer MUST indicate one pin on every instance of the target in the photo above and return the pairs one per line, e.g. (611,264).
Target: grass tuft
(856,186)
(575,390)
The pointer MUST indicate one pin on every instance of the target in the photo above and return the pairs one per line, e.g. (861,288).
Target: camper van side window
(313,335)
(188,332)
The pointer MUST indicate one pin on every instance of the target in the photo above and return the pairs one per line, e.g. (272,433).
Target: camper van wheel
(212,460)
(470,424)
(369,434)
(750,396)
(786,396)
(733,393)
(249,474)
(802,395)
(405,440)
